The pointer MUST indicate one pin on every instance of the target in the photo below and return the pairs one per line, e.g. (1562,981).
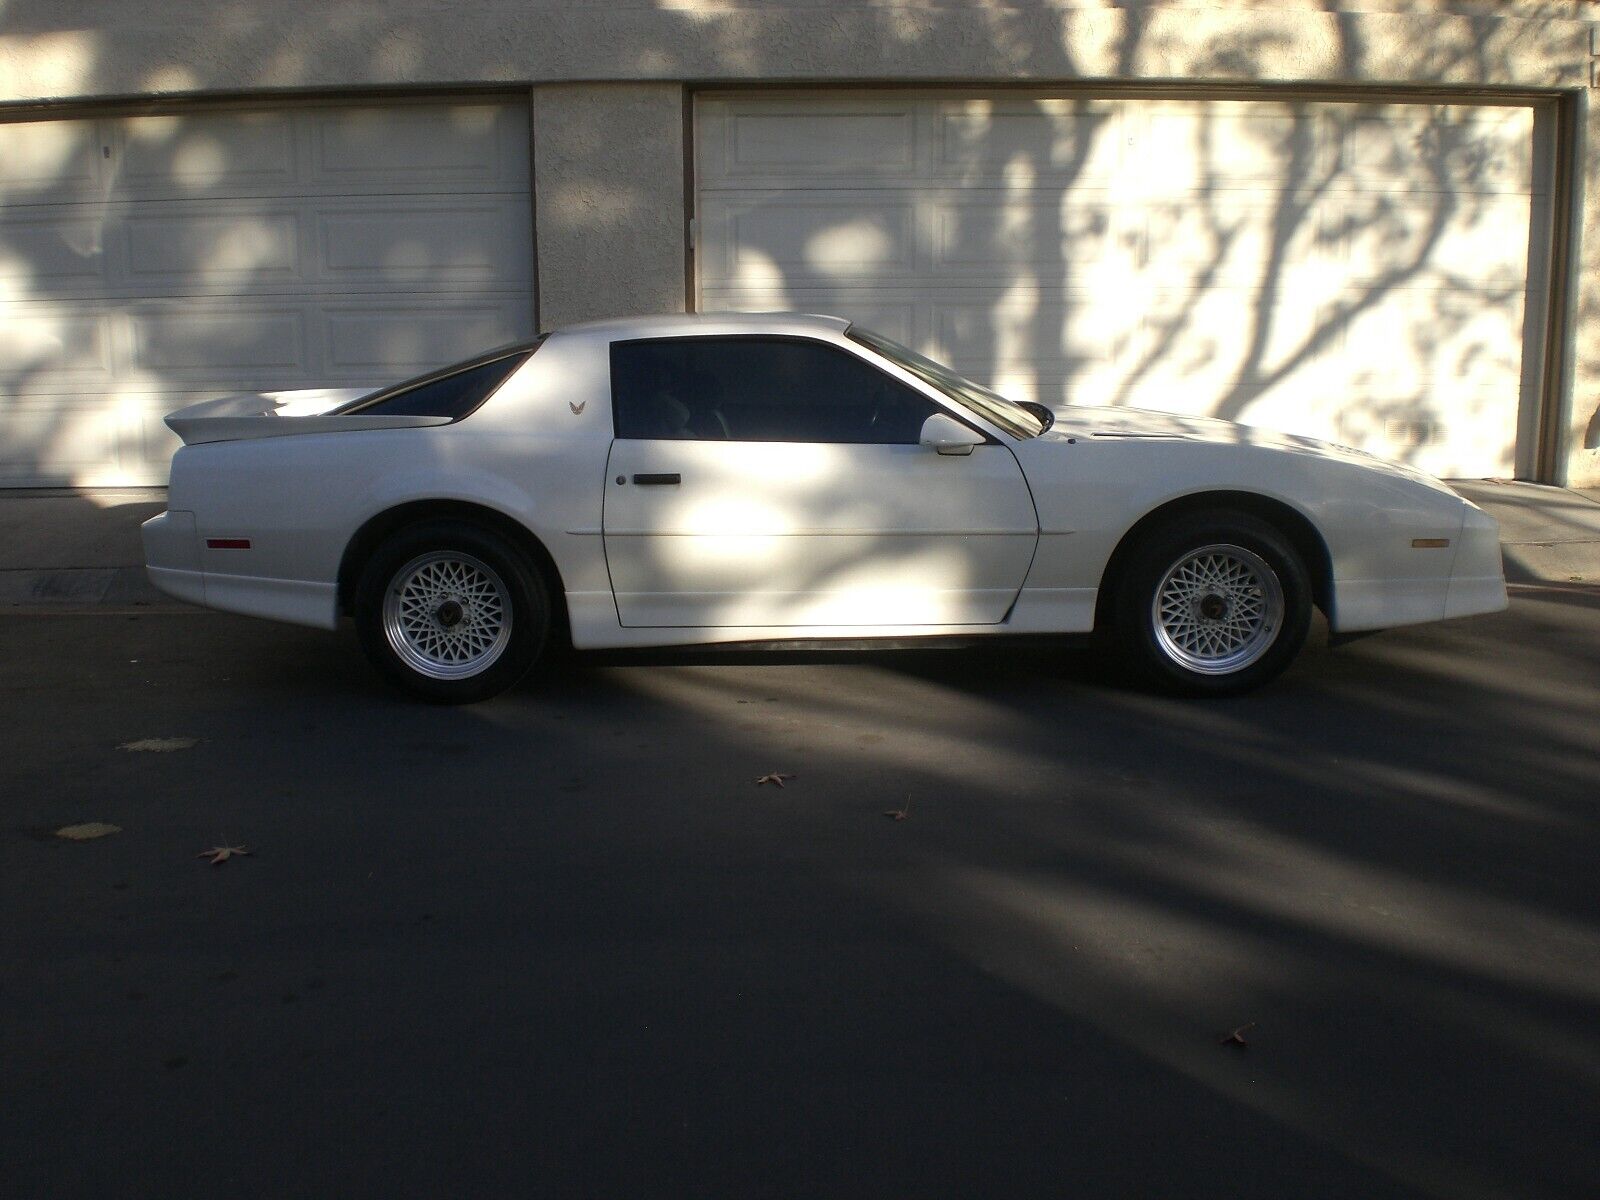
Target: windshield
(1008,414)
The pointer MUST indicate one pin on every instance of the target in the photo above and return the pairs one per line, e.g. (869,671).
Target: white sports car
(684,480)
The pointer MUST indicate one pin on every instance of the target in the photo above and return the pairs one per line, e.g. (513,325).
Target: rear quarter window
(456,395)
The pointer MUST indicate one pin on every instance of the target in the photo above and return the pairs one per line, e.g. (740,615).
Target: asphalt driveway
(563,943)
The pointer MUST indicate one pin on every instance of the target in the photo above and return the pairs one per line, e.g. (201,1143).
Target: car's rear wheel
(451,612)
(1212,604)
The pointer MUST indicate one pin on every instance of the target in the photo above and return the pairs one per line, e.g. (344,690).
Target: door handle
(665,477)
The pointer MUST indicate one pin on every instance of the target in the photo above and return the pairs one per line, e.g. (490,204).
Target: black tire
(1211,604)
(451,612)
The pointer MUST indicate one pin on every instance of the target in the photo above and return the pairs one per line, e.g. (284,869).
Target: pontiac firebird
(686,480)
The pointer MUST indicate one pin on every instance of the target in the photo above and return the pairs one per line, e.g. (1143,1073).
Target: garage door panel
(1447,443)
(1189,147)
(156,260)
(1225,352)
(976,235)
(52,162)
(1451,344)
(313,152)
(1478,150)
(184,248)
(1012,338)
(1443,237)
(183,340)
(341,340)
(987,232)
(1162,351)
(191,248)
(53,351)
(156,443)
(454,148)
(805,144)
(1330,269)
(179,247)
(871,236)
(57,437)
(759,143)
(367,340)
(205,155)
(1230,240)
(104,251)
(437,240)
(1030,140)
(109,437)
(46,252)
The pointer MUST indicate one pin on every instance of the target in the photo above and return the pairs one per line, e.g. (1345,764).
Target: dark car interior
(758,389)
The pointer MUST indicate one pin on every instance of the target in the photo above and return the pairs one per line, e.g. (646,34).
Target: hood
(1130,424)
(1075,421)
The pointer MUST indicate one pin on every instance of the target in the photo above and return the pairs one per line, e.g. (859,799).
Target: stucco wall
(134,47)
(609,200)
(609,159)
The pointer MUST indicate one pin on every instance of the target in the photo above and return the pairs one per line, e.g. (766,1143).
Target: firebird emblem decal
(577,409)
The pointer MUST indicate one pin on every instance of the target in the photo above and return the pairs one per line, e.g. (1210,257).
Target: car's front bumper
(1470,580)
(1477,577)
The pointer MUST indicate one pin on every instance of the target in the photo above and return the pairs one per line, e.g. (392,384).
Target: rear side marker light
(1429,543)
(227,543)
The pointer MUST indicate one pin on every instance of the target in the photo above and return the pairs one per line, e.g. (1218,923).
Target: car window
(456,395)
(1016,418)
(758,389)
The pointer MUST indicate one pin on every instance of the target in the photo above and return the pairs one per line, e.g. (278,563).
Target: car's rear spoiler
(277,414)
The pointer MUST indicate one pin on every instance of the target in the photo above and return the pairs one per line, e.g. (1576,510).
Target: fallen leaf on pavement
(776,777)
(1236,1038)
(221,854)
(82,833)
(160,745)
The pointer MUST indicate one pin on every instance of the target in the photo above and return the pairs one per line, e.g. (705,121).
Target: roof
(667,324)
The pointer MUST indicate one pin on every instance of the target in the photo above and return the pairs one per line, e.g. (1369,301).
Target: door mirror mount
(946,435)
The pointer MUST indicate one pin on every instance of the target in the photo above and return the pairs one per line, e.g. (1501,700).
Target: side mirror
(946,435)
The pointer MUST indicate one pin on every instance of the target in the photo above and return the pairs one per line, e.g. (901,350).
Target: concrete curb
(83,586)
(1547,534)
(1551,562)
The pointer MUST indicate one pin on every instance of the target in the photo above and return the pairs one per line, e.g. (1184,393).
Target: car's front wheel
(451,612)
(1212,604)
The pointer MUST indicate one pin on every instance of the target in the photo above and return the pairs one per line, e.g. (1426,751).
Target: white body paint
(773,540)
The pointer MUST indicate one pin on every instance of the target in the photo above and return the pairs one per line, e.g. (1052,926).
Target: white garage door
(1358,273)
(151,261)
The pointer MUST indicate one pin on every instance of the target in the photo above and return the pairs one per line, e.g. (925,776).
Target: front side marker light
(227,543)
(1429,543)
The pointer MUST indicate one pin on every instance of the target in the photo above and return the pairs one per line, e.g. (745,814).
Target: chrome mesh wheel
(447,615)
(1217,609)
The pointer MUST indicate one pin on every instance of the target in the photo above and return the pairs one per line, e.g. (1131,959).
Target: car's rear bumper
(172,556)
(174,560)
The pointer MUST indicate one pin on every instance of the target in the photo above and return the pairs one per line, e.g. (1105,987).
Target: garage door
(1358,273)
(150,261)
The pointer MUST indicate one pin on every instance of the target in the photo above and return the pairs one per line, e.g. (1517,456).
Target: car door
(779,482)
